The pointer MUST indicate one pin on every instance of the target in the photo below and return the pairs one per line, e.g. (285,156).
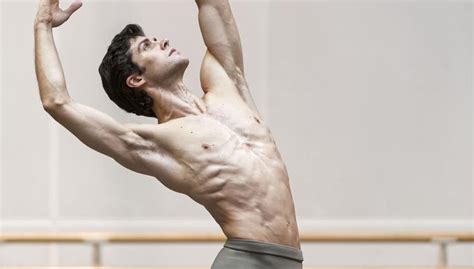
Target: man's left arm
(224,51)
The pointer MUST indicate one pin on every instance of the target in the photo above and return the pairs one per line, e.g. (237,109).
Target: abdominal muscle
(250,203)
(262,211)
(242,182)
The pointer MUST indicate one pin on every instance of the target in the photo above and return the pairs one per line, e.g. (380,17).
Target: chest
(223,132)
(223,143)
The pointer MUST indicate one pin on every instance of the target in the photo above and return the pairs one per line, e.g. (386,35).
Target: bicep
(102,133)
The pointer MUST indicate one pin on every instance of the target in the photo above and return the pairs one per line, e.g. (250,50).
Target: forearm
(49,72)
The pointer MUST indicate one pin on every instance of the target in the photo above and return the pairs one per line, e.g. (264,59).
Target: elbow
(54,104)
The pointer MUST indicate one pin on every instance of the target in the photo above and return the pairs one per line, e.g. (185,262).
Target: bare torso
(224,158)
(232,167)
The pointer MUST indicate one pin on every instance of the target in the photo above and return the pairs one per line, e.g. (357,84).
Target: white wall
(370,104)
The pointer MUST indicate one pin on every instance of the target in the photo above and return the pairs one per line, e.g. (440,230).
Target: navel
(205,146)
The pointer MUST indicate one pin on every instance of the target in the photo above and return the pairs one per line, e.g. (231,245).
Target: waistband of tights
(265,248)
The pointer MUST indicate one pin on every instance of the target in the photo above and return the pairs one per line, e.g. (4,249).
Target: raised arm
(223,62)
(96,129)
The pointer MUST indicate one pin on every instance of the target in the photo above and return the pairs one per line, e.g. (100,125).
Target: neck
(174,101)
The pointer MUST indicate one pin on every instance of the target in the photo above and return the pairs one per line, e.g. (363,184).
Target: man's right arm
(134,146)
(94,128)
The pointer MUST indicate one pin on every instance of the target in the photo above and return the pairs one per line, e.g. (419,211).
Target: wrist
(42,24)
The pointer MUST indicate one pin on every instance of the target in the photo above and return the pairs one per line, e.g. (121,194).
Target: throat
(169,105)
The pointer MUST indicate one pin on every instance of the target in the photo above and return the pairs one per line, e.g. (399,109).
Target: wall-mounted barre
(98,239)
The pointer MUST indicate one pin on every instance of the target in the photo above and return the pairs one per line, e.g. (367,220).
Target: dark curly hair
(117,66)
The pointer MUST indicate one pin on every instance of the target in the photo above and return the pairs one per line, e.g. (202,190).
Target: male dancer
(215,149)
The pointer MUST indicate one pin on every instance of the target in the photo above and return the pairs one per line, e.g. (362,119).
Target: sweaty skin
(215,149)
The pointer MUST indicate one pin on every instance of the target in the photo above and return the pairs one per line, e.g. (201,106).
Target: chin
(178,68)
(183,63)
(182,58)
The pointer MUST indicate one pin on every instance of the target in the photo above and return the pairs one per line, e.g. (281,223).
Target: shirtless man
(215,149)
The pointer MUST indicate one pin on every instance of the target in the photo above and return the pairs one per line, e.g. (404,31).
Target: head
(135,65)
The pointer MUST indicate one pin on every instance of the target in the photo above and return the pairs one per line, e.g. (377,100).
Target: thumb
(73,7)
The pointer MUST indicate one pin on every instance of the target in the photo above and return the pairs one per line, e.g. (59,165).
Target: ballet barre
(96,240)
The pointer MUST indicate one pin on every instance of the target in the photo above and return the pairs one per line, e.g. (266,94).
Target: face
(162,64)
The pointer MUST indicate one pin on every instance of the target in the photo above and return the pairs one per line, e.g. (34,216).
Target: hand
(50,13)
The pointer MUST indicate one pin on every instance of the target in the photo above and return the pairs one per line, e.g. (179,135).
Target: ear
(135,81)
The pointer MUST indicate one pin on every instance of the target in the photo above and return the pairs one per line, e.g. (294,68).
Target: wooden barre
(218,237)
(98,239)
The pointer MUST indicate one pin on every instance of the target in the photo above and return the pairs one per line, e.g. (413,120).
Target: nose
(164,43)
